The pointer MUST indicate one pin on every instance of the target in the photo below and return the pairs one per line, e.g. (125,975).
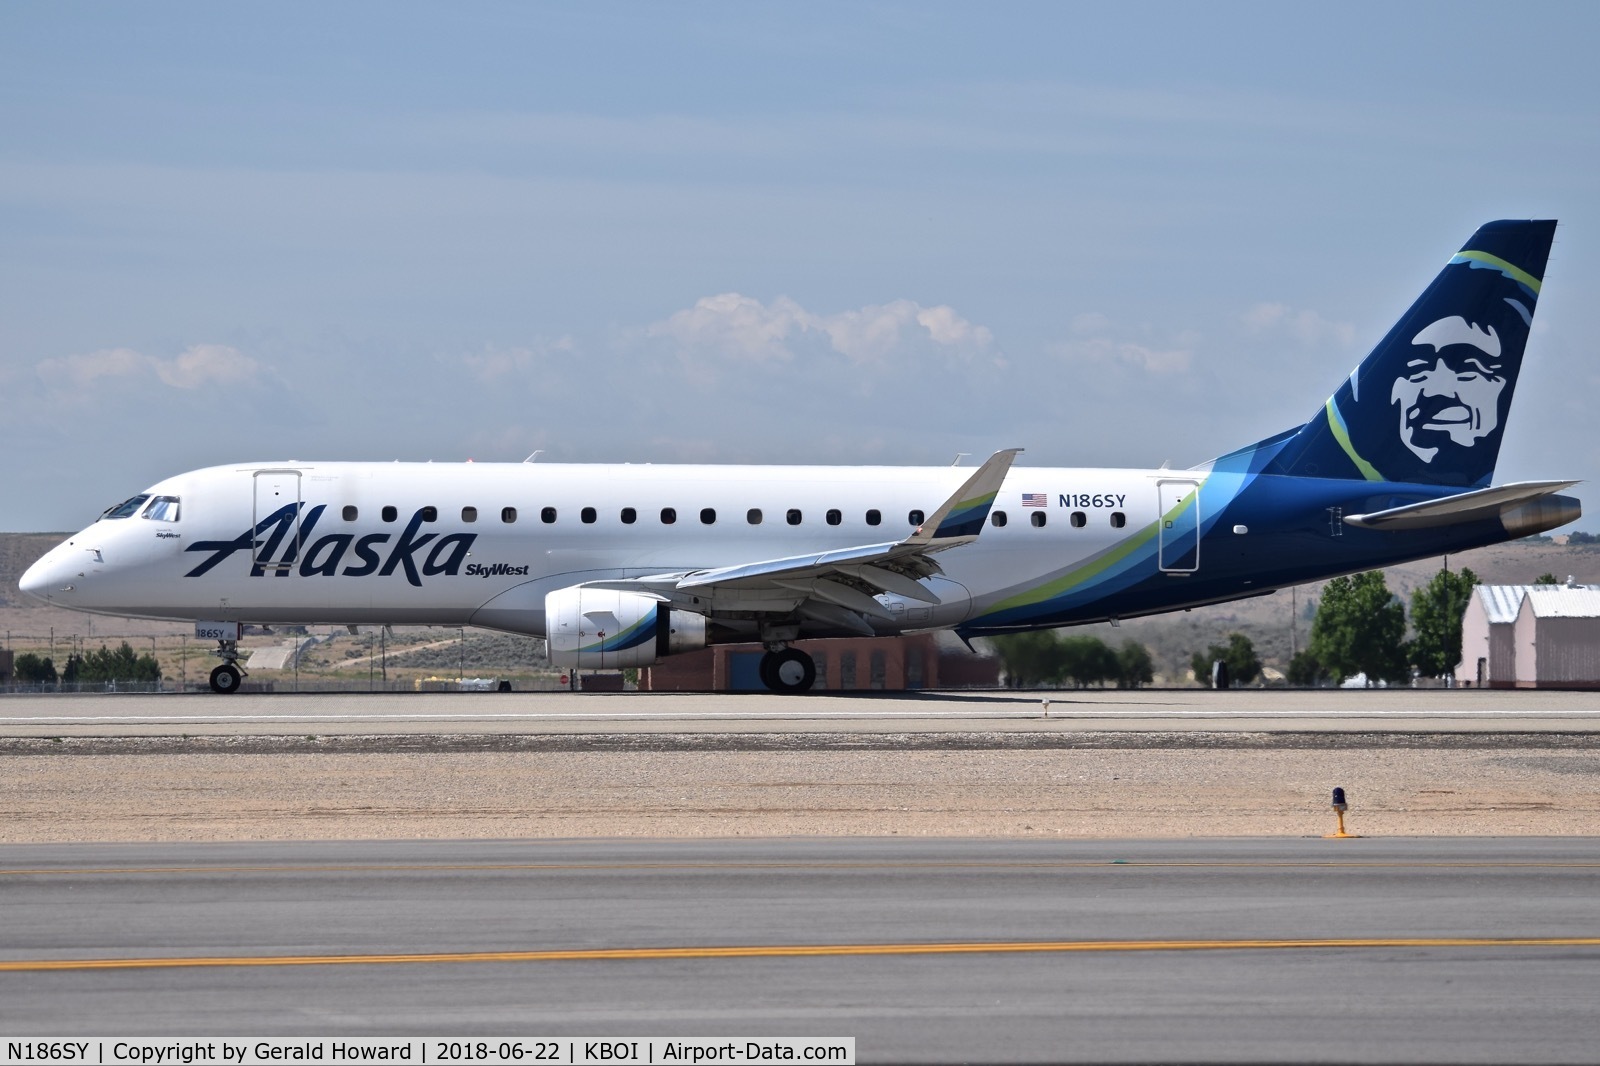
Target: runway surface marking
(1074,864)
(799,951)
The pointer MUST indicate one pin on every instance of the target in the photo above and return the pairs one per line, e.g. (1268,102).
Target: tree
(1305,671)
(1244,666)
(120,665)
(1436,611)
(1030,659)
(1087,661)
(1542,579)
(32,670)
(1134,666)
(1582,538)
(1360,628)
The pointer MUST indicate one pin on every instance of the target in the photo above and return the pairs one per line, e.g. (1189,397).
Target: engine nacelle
(606,629)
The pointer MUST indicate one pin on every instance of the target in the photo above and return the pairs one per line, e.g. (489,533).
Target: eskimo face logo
(1451,394)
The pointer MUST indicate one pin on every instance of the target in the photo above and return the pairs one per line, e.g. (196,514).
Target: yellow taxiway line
(799,951)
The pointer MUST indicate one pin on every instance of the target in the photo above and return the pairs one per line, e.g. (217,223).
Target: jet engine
(606,629)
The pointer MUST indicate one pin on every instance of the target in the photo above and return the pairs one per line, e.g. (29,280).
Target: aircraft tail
(1429,404)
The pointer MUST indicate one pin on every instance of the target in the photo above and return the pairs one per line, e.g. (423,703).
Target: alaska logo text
(276,549)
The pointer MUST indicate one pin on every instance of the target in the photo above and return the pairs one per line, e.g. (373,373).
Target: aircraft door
(277,546)
(1179,526)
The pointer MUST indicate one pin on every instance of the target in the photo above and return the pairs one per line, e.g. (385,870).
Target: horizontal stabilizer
(1464,507)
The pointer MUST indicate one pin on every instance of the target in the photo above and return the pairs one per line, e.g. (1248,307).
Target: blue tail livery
(1429,405)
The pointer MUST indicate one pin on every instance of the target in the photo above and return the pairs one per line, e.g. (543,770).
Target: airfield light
(1339,807)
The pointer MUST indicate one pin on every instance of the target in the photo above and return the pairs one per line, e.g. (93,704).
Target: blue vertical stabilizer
(1429,405)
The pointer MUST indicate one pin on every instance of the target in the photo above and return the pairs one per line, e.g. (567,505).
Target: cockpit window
(162,509)
(126,509)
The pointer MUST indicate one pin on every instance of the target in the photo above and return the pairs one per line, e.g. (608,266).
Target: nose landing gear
(227,677)
(788,671)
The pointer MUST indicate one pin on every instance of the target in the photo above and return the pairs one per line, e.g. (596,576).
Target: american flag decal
(1035,499)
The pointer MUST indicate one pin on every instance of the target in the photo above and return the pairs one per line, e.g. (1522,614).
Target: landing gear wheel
(226,678)
(788,672)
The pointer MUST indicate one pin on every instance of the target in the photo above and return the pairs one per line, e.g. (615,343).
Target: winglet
(964,513)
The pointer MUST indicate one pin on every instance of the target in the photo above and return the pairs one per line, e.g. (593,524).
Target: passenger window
(547,515)
(390,514)
(793,517)
(834,517)
(508,515)
(430,514)
(350,513)
(915,518)
(1118,519)
(587,516)
(1038,519)
(753,516)
(469,514)
(1079,519)
(162,509)
(629,516)
(669,515)
(126,509)
(874,517)
(708,516)
(997,518)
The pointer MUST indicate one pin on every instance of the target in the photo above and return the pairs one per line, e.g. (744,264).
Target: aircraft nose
(45,579)
(35,580)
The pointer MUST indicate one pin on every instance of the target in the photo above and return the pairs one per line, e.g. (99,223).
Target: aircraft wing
(837,587)
(1462,507)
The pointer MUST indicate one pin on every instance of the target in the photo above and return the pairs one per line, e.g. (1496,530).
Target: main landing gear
(788,671)
(227,677)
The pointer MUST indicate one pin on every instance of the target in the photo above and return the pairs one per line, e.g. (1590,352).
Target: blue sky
(1111,234)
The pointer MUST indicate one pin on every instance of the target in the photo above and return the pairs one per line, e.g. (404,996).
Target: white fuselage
(361,546)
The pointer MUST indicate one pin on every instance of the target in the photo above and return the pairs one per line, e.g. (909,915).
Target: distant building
(1531,636)
(852,664)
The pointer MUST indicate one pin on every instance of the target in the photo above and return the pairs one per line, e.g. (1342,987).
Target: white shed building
(1531,636)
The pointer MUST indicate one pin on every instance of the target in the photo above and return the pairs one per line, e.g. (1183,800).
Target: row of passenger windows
(629,515)
(1078,519)
(708,516)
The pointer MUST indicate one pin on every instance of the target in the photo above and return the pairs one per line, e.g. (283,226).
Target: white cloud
(197,365)
(204,364)
(1096,340)
(742,327)
(737,326)
(1305,326)
(494,363)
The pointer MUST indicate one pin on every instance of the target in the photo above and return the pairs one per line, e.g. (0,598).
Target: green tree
(1436,611)
(1306,671)
(120,665)
(32,670)
(1031,659)
(1542,579)
(1244,666)
(1360,628)
(1134,665)
(1087,661)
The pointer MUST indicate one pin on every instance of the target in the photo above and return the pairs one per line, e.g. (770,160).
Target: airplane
(620,565)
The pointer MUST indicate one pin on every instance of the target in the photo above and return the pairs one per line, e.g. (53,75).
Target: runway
(1143,711)
(1483,950)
